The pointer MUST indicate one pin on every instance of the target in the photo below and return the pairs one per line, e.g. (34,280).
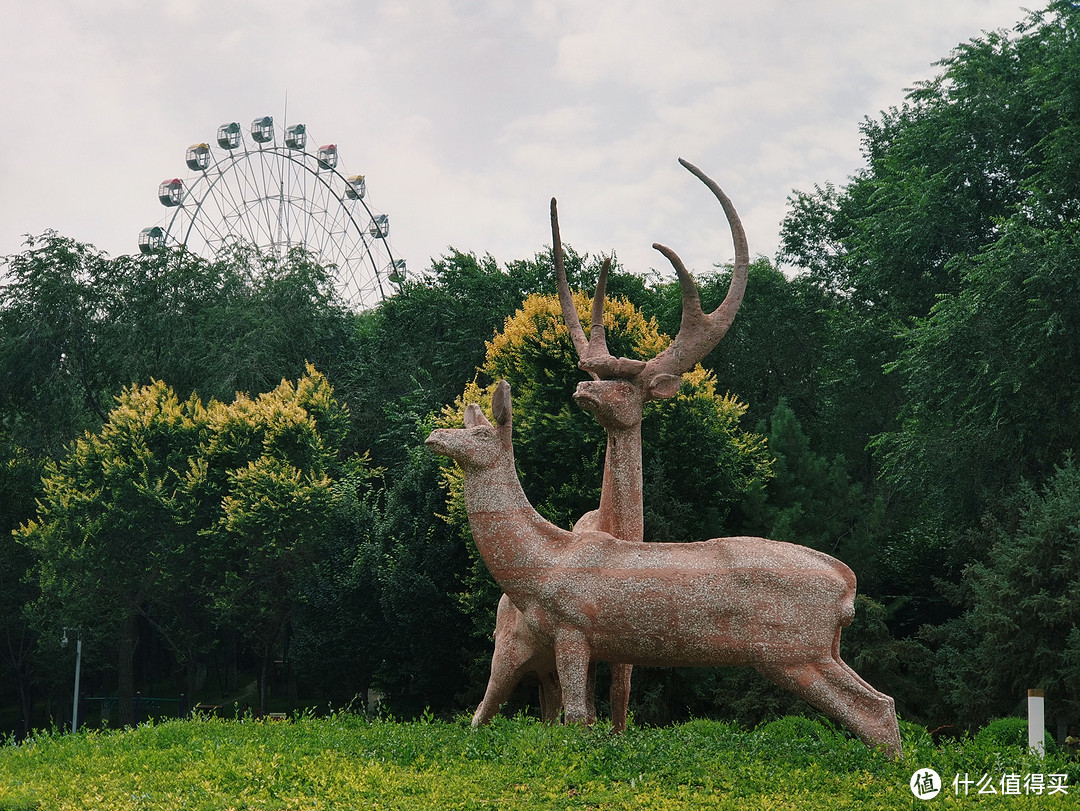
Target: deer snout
(616,404)
(438,441)
(586,398)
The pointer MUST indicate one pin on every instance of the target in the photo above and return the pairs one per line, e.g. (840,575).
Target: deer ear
(663,386)
(474,416)
(500,403)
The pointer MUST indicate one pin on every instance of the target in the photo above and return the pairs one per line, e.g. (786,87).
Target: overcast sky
(466,117)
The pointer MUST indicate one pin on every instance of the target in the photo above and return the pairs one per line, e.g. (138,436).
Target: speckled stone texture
(776,607)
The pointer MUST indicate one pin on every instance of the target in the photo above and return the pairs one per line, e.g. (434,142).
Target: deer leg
(833,688)
(504,678)
(511,660)
(590,695)
(550,697)
(572,662)
(620,695)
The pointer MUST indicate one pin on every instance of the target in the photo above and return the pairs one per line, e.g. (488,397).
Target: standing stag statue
(616,396)
(773,606)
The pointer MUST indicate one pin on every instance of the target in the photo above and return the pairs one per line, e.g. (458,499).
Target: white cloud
(467,116)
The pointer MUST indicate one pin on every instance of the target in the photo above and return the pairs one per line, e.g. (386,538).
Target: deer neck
(514,540)
(621,500)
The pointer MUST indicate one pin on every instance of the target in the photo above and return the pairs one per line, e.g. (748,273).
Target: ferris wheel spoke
(266,183)
(331,235)
(240,194)
(209,218)
(223,199)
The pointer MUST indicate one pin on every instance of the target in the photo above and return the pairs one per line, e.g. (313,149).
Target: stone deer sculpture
(773,606)
(615,395)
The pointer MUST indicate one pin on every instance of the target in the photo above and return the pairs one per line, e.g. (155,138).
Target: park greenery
(214,471)
(346,761)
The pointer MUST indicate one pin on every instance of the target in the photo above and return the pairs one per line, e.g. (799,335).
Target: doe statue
(616,395)
(773,606)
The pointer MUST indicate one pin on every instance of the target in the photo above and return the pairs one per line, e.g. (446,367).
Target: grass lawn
(347,762)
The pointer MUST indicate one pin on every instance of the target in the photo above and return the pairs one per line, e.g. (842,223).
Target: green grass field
(346,762)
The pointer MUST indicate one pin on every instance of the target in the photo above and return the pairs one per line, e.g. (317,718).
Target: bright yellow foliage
(538,327)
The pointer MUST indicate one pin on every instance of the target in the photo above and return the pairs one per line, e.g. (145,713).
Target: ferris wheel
(277,195)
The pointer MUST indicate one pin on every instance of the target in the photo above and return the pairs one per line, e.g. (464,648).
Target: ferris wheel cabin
(397,271)
(296,136)
(198,157)
(327,156)
(151,240)
(171,192)
(356,188)
(228,135)
(380,226)
(262,129)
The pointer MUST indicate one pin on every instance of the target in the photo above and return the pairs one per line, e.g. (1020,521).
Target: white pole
(75,701)
(1037,722)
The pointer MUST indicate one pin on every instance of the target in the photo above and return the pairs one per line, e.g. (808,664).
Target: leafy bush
(1003,732)
(346,761)
(1008,732)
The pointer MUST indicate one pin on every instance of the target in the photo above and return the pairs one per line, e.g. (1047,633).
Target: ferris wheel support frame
(249,210)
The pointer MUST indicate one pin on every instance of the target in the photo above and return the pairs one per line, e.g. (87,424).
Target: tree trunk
(125,671)
(262,682)
(19,656)
(292,689)
(229,638)
(27,704)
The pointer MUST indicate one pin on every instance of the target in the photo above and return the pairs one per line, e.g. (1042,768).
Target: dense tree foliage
(425,342)
(1021,623)
(959,236)
(77,326)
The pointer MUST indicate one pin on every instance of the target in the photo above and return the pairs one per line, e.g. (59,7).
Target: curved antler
(566,301)
(593,354)
(700,332)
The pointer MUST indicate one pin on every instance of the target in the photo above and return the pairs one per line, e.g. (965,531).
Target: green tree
(1021,621)
(958,236)
(239,323)
(990,376)
(263,489)
(20,477)
(338,633)
(940,172)
(426,645)
(811,500)
(49,356)
(774,348)
(175,513)
(415,351)
(109,525)
(77,326)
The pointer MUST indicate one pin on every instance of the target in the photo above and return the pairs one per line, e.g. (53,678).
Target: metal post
(1037,722)
(75,700)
